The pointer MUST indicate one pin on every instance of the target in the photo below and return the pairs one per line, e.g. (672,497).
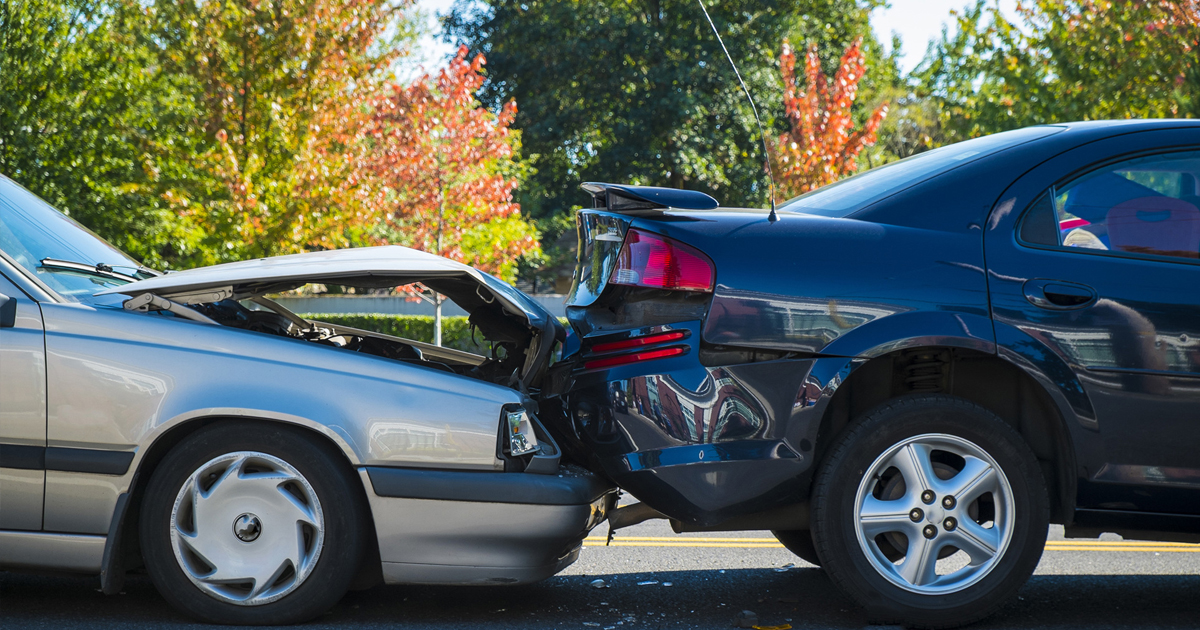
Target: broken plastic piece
(746,619)
(599,584)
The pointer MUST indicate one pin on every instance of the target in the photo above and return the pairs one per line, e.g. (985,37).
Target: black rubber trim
(86,460)
(112,567)
(22,457)
(1118,520)
(486,487)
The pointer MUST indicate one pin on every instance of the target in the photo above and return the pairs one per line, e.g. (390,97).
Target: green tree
(640,92)
(90,122)
(278,83)
(1068,60)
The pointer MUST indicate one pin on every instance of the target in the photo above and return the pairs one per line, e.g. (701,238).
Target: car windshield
(32,232)
(842,198)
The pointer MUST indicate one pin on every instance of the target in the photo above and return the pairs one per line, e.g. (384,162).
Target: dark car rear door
(1096,255)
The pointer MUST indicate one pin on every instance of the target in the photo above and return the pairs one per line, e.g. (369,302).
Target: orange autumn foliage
(442,168)
(822,144)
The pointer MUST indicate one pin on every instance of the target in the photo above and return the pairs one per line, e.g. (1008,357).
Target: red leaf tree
(443,167)
(437,171)
(822,144)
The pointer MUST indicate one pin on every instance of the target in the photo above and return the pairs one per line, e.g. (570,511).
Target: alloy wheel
(934,514)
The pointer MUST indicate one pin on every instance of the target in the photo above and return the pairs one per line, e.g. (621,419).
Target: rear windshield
(842,198)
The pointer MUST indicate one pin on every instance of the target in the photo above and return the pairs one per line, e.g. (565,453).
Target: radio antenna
(762,134)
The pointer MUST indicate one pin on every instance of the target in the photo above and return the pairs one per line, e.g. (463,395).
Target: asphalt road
(659,580)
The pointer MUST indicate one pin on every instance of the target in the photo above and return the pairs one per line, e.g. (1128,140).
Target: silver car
(256,463)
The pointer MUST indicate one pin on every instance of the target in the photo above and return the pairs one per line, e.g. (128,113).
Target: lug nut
(950,524)
(928,497)
(949,502)
(916,515)
(930,531)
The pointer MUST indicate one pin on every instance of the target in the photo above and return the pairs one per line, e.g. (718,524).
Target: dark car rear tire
(799,542)
(888,544)
(296,524)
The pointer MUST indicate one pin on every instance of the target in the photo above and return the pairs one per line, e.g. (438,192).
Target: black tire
(799,542)
(328,474)
(835,522)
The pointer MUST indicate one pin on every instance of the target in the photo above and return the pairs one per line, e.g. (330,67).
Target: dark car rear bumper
(704,444)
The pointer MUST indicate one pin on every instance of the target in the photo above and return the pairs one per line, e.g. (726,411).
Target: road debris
(648,583)
(746,619)
(598,583)
(668,584)
(784,568)
(786,626)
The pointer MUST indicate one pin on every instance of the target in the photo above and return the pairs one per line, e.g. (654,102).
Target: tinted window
(1039,226)
(31,231)
(1148,205)
(853,193)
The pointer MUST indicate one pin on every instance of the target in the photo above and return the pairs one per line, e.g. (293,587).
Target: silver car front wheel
(247,522)
(247,528)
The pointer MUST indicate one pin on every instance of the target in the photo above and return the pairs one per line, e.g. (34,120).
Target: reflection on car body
(924,364)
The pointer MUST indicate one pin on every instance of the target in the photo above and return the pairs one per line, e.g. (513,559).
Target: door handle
(8,311)
(1059,295)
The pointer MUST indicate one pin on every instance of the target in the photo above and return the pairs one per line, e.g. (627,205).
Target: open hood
(363,267)
(501,313)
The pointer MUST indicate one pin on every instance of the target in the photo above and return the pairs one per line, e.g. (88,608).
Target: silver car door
(22,410)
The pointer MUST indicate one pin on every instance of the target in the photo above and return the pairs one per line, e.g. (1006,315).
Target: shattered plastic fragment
(599,584)
(648,583)
(746,619)
(668,584)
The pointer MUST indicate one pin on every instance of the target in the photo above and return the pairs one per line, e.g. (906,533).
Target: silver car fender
(120,380)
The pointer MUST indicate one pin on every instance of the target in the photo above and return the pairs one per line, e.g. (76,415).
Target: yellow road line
(1120,543)
(771,543)
(717,545)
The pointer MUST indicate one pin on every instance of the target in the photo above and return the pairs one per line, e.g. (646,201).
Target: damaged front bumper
(461,527)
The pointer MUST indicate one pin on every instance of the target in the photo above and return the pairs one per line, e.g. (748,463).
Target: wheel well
(984,379)
(130,542)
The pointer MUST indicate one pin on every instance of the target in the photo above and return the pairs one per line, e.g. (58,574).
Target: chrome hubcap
(935,514)
(277,533)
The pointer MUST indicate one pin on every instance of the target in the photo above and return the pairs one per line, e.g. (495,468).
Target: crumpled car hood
(365,267)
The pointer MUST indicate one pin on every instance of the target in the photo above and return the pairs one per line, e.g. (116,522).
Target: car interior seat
(1159,225)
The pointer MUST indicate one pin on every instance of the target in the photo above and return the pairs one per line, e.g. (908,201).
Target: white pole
(437,319)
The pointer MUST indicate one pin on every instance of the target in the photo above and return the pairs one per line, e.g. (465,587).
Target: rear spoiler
(618,197)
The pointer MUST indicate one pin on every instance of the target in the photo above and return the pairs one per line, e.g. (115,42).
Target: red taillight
(634,358)
(650,260)
(638,342)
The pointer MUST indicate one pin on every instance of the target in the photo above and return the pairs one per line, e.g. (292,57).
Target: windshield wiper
(99,269)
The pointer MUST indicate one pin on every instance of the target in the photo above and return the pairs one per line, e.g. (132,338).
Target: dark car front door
(1096,255)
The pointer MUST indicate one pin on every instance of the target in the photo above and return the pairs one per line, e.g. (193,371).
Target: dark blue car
(906,375)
